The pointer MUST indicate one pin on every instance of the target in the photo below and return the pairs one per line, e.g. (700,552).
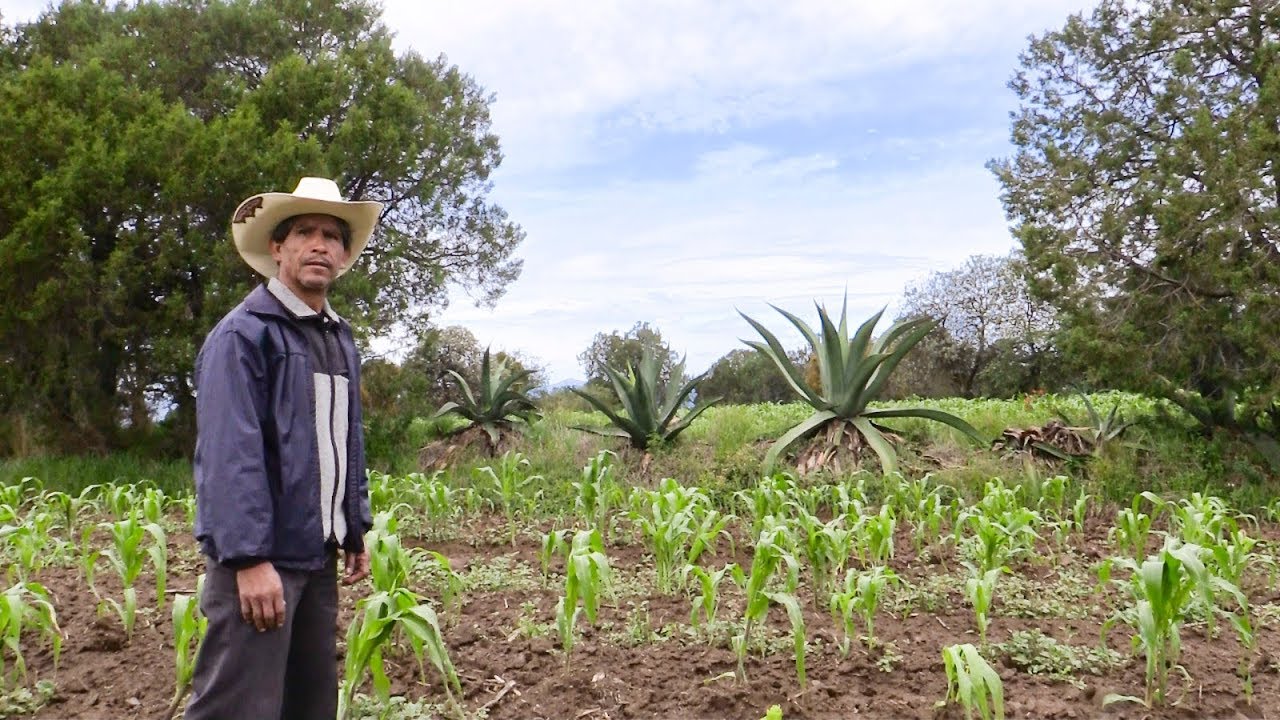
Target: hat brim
(251,229)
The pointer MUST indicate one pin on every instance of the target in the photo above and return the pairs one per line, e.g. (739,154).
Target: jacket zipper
(333,440)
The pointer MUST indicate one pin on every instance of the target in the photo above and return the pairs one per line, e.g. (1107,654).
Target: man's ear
(275,250)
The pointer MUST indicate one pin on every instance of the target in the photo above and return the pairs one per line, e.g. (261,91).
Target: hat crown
(318,189)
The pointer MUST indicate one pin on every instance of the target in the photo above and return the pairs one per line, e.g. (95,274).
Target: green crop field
(574,574)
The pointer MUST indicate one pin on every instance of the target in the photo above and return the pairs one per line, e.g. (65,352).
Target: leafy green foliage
(379,616)
(853,370)
(973,683)
(743,376)
(1167,587)
(121,177)
(24,607)
(614,350)
(1143,192)
(587,575)
(649,406)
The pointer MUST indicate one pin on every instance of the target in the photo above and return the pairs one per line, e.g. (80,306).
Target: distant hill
(561,385)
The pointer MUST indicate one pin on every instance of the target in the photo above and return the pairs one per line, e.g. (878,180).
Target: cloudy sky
(676,161)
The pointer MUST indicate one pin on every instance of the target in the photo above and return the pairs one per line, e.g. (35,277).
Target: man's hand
(261,596)
(356,565)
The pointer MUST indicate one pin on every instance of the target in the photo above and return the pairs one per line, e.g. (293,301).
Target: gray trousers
(289,673)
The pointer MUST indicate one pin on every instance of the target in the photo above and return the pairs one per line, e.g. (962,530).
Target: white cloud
(568,72)
(747,229)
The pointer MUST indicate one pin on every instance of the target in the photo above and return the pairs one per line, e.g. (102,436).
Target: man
(279,463)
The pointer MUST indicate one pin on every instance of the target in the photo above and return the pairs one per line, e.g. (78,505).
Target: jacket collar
(265,300)
(294,304)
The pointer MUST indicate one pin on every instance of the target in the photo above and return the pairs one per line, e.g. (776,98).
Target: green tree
(130,133)
(745,376)
(1145,192)
(625,350)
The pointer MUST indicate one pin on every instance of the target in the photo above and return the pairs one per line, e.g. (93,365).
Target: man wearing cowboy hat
(279,463)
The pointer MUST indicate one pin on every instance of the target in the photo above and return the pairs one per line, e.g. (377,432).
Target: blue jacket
(257,468)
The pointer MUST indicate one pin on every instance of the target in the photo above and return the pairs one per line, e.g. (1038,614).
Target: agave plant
(1101,430)
(498,405)
(852,371)
(649,406)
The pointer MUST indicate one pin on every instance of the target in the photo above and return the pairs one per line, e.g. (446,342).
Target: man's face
(311,254)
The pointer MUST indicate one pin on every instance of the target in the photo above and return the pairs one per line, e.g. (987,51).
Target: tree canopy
(989,319)
(624,350)
(746,376)
(1145,190)
(130,134)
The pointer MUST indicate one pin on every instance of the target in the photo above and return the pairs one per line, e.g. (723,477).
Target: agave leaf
(773,350)
(810,336)
(928,414)
(854,394)
(809,424)
(883,448)
(677,399)
(624,388)
(486,377)
(508,382)
(619,421)
(464,387)
(448,408)
(604,431)
(912,334)
(831,357)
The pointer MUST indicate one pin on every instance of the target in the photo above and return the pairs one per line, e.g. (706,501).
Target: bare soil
(641,660)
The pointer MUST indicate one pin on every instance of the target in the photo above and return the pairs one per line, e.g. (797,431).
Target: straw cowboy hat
(257,216)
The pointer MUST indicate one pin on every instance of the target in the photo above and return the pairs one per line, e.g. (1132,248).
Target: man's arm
(233,496)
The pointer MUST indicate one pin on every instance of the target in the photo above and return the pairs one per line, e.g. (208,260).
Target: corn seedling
(1243,624)
(596,492)
(509,486)
(154,504)
(587,576)
(972,682)
(1200,519)
(16,495)
(1166,586)
(826,547)
(120,500)
(980,589)
(158,551)
(862,594)
(707,602)
(798,635)
(31,545)
(69,507)
(678,525)
(126,557)
(189,627)
(874,536)
(25,605)
(768,498)
(452,586)
(380,615)
(390,563)
(89,556)
(848,498)
(772,551)
(554,543)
